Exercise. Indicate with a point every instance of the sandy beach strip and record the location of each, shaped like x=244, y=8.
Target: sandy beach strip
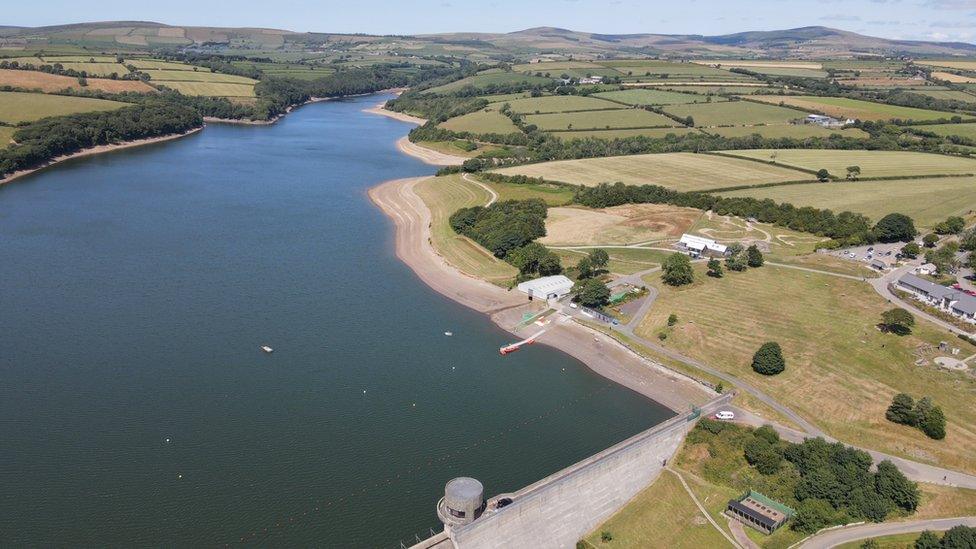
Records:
x=601, y=353
x=425, y=155
x=98, y=150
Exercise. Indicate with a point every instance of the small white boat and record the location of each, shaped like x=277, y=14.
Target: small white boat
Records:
x=448, y=334
x=267, y=349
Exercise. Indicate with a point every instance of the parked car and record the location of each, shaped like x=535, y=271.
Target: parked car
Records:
x=724, y=415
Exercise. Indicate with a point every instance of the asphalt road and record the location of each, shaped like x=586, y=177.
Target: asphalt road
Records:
x=833, y=538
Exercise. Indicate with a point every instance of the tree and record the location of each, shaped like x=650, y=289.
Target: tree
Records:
x=763, y=456
x=585, y=268
x=823, y=175
x=952, y=225
x=599, y=258
x=550, y=265
x=735, y=260
x=768, y=433
x=928, y=540
x=768, y=360
x=892, y=484
x=897, y=321
x=959, y=537
x=715, y=268
x=677, y=270
x=853, y=172
x=930, y=240
x=895, y=227
x=812, y=515
x=902, y=410
x=591, y=293
x=933, y=423
x=754, y=257
x=672, y=319
x=911, y=250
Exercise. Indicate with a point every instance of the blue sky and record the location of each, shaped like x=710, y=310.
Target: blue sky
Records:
x=906, y=19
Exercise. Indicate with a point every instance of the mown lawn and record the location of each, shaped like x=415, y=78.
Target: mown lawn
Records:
x=841, y=370
x=17, y=107
x=872, y=163
x=680, y=171
x=444, y=196
x=927, y=201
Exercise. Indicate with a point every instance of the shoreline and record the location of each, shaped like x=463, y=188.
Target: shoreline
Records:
x=425, y=155
x=98, y=149
x=600, y=353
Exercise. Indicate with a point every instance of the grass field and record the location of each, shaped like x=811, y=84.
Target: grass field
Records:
x=79, y=58
x=559, y=103
x=620, y=225
x=553, y=195
x=623, y=261
x=842, y=107
x=155, y=65
x=596, y=120
x=444, y=196
x=620, y=133
x=650, y=96
x=481, y=80
x=662, y=515
x=214, y=89
x=483, y=121
x=762, y=64
x=17, y=107
x=927, y=201
x=45, y=82
x=735, y=113
x=798, y=131
x=964, y=130
x=952, y=95
x=872, y=163
x=954, y=78
x=841, y=370
x=681, y=171
x=193, y=76
x=97, y=69
x=6, y=135
x=951, y=64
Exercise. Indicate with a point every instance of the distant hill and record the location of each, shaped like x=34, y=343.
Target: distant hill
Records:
x=804, y=42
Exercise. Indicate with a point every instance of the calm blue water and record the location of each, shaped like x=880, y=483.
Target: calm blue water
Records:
x=136, y=289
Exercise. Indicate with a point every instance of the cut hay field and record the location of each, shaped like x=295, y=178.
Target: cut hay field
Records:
x=558, y=103
x=872, y=163
x=597, y=120
x=194, y=76
x=213, y=89
x=17, y=107
x=927, y=201
x=735, y=113
x=36, y=80
x=681, y=171
x=619, y=134
x=798, y=131
x=964, y=130
x=444, y=196
x=79, y=58
x=841, y=371
x=481, y=80
x=650, y=96
x=842, y=107
x=483, y=121
x=954, y=78
x=97, y=69
x=158, y=65
x=763, y=64
x=951, y=64
x=6, y=135
x=618, y=226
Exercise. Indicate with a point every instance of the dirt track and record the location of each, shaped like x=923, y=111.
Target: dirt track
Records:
x=600, y=353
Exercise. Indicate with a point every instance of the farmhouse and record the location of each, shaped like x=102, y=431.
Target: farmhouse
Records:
x=926, y=269
x=547, y=287
x=953, y=301
x=591, y=80
x=759, y=512
x=696, y=246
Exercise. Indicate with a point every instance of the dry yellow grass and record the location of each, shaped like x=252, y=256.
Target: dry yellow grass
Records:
x=954, y=78
x=681, y=171
x=6, y=135
x=619, y=225
x=841, y=370
x=45, y=82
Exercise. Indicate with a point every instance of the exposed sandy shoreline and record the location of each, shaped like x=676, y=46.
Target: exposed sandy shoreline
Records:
x=599, y=352
x=98, y=150
x=428, y=156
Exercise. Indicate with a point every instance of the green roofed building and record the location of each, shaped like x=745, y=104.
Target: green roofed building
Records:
x=759, y=512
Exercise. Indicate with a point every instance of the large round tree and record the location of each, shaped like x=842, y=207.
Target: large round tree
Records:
x=768, y=360
x=895, y=227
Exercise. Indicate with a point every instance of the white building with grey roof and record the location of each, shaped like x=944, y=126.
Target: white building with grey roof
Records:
x=955, y=302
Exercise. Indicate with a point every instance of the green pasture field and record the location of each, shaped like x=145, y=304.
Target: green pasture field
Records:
x=17, y=107
x=49, y=59
x=595, y=120
x=620, y=134
x=966, y=65
x=741, y=90
x=550, y=66
x=503, y=97
x=213, y=89
x=649, y=96
x=785, y=71
x=6, y=135
x=25, y=61
x=680, y=171
x=481, y=80
x=553, y=195
x=798, y=131
x=872, y=163
x=951, y=95
x=159, y=65
x=193, y=76
x=623, y=261
x=97, y=69
x=736, y=113
x=927, y=201
x=483, y=121
x=843, y=107
x=559, y=103
x=841, y=371
x=963, y=130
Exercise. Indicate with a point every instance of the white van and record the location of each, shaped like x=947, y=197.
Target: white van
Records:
x=725, y=415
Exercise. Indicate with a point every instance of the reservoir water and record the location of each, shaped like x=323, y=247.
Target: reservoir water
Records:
x=137, y=409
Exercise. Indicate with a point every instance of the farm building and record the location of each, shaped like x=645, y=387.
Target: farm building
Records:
x=697, y=246
x=951, y=300
x=547, y=287
x=826, y=121
x=591, y=80
x=926, y=269
x=880, y=264
x=759, y=512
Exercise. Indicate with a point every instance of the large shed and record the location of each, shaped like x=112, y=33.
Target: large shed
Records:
x=547, y=287
x=759, y=512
